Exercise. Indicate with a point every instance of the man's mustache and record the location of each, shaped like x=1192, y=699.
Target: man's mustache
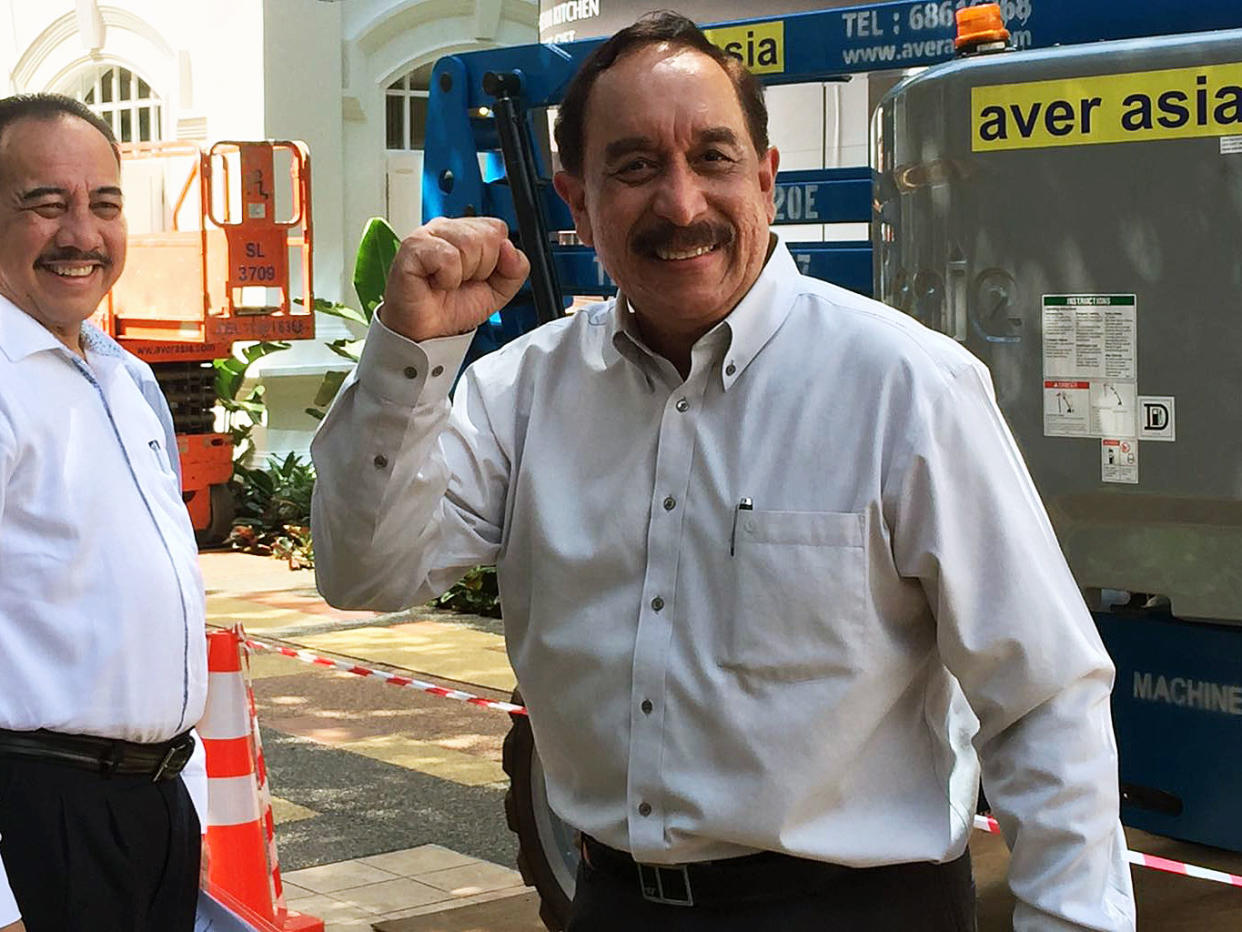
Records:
x=73, y=254
x=664, y=236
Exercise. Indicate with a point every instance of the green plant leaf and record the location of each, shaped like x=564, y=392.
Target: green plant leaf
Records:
x=231, y=371
x=376, y=250
x=336, y=309
x=328, y=388
x=476, y=592
x=273, y=509
x=349, y=349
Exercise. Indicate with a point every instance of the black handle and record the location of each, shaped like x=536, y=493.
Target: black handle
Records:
x=519, y=159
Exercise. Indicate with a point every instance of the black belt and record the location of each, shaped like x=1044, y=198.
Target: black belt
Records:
x=106, y=756
x=768, y=875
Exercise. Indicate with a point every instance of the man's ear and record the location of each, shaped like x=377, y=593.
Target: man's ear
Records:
x=769, y=162
x=573, y=192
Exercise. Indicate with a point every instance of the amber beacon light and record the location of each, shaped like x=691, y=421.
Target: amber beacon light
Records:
x=979, y=24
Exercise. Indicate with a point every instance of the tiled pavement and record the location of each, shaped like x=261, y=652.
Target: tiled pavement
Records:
x=355, y=894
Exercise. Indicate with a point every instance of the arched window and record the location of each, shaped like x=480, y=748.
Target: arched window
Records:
x=406, y=110
x=122, y=98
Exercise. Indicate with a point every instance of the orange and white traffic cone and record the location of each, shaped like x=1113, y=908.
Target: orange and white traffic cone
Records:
x=243, y=873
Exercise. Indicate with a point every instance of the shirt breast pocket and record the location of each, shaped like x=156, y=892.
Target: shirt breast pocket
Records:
x=160, y=458
x=800, y=581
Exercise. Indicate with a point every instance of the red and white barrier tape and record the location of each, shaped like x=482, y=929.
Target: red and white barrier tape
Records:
x=989, y=824
x=982, y=822
x=390, y=679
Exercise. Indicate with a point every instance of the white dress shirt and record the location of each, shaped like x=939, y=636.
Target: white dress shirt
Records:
x=101, y=598
x=706, y=680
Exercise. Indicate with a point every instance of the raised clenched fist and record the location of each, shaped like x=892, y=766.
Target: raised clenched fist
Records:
x=451, y=275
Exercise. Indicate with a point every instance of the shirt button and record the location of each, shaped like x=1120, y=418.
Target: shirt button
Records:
x=380, y=461
x=683, y=405
x=670, y=503
x=730, y=369
x=437, y=372
x=411, y=372
x=644, y=809
x=657, y=603
x=647, y=707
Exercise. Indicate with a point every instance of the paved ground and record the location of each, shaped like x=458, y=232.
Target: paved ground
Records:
x=389, y=800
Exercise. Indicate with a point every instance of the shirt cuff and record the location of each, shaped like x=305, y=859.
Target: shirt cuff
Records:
x=403, y=372
x=9, y=913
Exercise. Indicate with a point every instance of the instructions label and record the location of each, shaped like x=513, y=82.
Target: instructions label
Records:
x=1119, y=460
x=1090, y=353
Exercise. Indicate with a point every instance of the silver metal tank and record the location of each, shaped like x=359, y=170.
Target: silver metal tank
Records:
x=1074, y=216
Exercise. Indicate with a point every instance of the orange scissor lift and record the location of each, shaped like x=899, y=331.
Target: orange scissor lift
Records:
x=191, y=289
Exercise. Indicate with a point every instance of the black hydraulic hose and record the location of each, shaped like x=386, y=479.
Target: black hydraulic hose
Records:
x=523, y=185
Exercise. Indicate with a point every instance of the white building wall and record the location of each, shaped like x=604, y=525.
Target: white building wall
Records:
x=176, y=45
x=301, y=90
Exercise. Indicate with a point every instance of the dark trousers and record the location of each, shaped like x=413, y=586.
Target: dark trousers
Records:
x=917, y=897
x=87, y=852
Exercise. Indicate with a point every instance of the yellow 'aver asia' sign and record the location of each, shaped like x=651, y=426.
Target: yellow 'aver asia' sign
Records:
x=1171, y=104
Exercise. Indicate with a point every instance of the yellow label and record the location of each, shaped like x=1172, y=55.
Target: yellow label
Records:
x=1178, y=103
x=758, y=46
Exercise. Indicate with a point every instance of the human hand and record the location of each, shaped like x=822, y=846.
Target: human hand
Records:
x=451, y=275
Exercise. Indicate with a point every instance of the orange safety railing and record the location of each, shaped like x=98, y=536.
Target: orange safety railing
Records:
x=189, y=293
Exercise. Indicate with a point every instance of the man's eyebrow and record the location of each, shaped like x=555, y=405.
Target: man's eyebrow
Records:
x=49, y=190
x=43, y=191
x=718, y=134
x=626, y=145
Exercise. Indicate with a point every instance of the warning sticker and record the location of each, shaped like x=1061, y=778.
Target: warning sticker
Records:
x=1119, y=460
x=1067, y=408
x=1113, y=406
x=1090, y=352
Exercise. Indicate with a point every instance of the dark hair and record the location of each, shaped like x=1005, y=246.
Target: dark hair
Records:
x=654, y=28
x=48, y=107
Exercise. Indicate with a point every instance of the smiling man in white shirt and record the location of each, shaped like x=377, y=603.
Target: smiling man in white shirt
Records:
x=769, y=559
x=102, y=651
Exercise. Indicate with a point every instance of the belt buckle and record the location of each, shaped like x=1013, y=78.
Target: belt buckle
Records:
x=667, y=885
x=186, y=747
x=164, y=763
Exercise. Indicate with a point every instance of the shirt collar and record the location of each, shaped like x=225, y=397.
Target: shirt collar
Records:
x=760, y=313
x=21, y=335
x=96, y=341
x=751, y=324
